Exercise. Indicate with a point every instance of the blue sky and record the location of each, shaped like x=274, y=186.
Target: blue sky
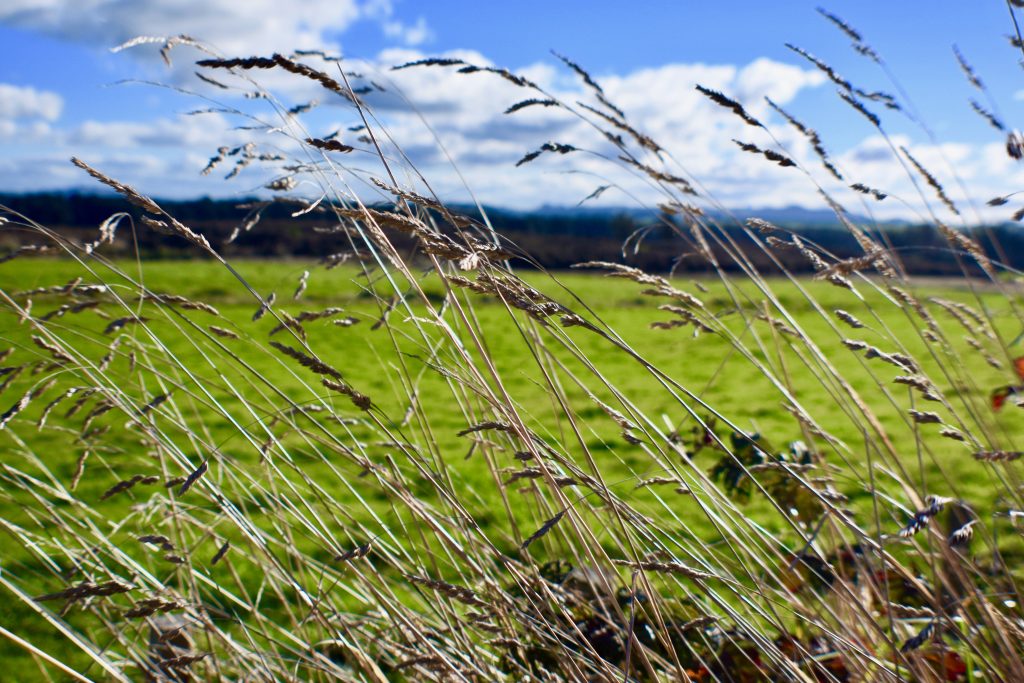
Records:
x=61, y=95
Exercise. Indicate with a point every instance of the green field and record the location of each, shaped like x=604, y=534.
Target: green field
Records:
x=318, y=475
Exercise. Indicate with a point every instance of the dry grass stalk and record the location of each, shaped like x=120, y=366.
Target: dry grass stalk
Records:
x=146, y=204
x=951, y=433
x=686, y=316
x=107, y=230
x=108, y=357
x=329, y=145
x=181, y=301
x=962, y=535
x=356, y=553
x=306, y=361
x=988, y=116
x=581, y=72
x=484, y=426
x=920, y=639
x=779, y=325
x=732, y=105
x=116, y=325
x=280, y=61
x=921, y=518
x=921, y=383
x=70, y=308
x=847, y=89
x=41, y=422
x=770, y=155
x=154, y=403
x=543, y=530
x=301, y=288
x=554, y=147
x=657, y=481
x=430, y=662
x=157, y=539
x=222, y=551
x=682, y=184
x=361, y=401
x=848, y=318
x=221, y=332
x=87, y=589
x=900, y=360
x=972, y=76
x=151, y=606
x=666, y=568
x=125, y=485
x=76, y=476
x=25, y=249
x=921, y=417
x=932, y=181
x=812, y=137
x=18, y=406
x=193, y=477
x=958, y=239
x=55, y=351
x=617, y=122
x=289, y=323
x=531, y=102
x=851, y=33
x=459, y=593
x=864, y=189
x=998, y=456
x=182, y=661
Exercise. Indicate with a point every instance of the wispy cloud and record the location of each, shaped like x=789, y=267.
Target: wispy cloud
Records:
x=232, y=26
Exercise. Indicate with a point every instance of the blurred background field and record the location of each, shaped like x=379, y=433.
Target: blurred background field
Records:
x=225, y=409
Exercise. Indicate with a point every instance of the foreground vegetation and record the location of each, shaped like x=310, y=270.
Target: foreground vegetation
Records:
x=418, y=462
x=272, y=436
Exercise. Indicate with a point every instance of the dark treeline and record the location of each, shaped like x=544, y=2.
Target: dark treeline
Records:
x=556, y=238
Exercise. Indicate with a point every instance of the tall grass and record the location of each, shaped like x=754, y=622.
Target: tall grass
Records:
x=196, y=497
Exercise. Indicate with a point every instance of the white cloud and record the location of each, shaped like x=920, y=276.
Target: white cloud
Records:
x=415, y=34
x=186, y=132
x=766, y=78
x=230, y=25
x=697, y=135
x=235, y=27
x=23, y=102
x=464, y=115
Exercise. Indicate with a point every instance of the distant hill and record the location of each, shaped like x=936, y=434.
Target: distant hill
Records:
x=789, y=217
x=554, y=237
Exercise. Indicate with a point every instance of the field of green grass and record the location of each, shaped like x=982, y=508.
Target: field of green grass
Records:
x=318, y=475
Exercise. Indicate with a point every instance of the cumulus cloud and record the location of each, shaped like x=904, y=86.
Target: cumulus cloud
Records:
x=696, y=134
x=185, y=132
x=969, y=174
x=463, y=113
x=437, y=115
x=414, y=34
x=23, y=102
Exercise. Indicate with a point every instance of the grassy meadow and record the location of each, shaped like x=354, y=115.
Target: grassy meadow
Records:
x=272, y=434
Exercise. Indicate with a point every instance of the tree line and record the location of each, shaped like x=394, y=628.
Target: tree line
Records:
x=552, y=238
